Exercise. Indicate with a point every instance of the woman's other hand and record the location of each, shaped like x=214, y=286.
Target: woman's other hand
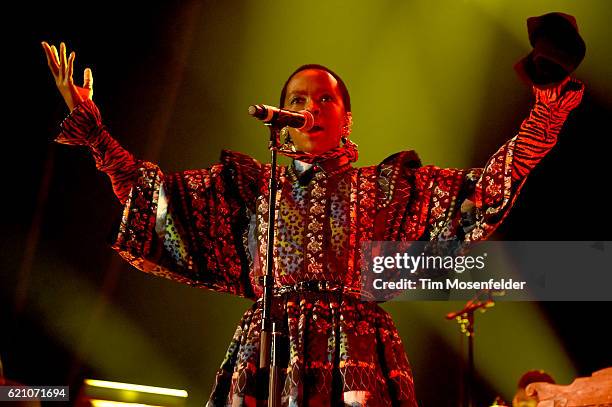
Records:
x=61, y=69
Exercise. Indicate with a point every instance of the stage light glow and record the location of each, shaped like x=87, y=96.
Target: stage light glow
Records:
x=136, y=387
x=108, y=403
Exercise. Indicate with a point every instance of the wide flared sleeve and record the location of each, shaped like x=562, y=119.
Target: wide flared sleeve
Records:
x=432, y=203
x=188, y=226
x=192, y=226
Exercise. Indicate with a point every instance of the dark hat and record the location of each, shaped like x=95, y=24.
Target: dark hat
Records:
x=558, y=49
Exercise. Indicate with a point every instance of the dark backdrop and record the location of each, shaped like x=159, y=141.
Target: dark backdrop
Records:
x=173, y=81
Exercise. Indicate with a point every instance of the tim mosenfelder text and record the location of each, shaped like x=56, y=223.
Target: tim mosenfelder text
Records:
x=422, y=263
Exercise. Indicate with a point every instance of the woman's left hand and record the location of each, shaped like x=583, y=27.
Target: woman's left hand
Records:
x=61, y=69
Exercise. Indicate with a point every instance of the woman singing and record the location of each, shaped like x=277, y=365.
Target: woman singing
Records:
x=208, y=228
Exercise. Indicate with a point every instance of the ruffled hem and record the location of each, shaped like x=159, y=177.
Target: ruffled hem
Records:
x=563, y=97
x=81, y=125
x=337, y=351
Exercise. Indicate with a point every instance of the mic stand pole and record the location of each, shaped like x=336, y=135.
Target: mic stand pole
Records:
x=465, y=319
x=268, y=345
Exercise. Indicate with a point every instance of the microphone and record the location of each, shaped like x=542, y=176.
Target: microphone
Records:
x=302, y=120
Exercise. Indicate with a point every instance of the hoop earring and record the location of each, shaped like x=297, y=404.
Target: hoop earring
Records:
x=285, y=136
x=348, y=125
x=287, y=141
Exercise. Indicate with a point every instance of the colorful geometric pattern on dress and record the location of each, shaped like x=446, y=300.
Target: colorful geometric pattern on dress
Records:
x=175, y=245
x=311, y=219
x=335, y=346
x=339, y=217
x=83, y=127
x=340, y=350
x=206, y=214
x=291, y=224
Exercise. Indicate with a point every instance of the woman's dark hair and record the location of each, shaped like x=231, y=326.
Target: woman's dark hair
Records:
x=534, y=376
x=346, y=99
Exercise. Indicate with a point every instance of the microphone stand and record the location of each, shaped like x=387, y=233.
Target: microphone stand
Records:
x=269, y=338
x=465, y=319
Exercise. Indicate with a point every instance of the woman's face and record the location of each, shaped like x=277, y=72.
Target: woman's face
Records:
x=317, y=91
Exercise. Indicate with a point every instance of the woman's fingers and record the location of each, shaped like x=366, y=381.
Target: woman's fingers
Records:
x=55, y=54
x=62, y=69
x=62, y=56
x=57, y=60
x=70, y=67
x=88, y=81
x=51, y=61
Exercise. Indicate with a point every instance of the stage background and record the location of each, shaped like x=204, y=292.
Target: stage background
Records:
x=173, y=82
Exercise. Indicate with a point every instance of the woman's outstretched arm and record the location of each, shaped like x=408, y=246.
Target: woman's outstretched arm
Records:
x=196, y=236
x=84, y=124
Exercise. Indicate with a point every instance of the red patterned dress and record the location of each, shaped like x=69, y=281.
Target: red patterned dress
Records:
x=207, y=228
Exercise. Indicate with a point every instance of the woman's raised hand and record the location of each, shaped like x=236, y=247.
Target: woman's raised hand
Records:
x=61, y=69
